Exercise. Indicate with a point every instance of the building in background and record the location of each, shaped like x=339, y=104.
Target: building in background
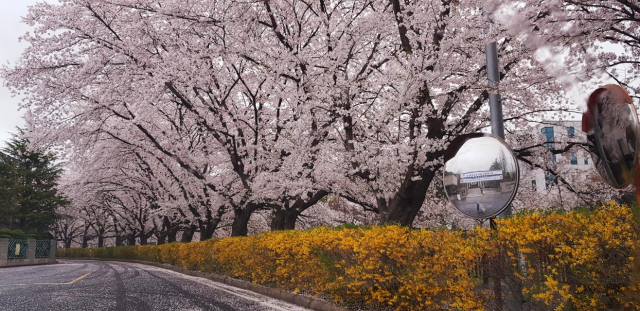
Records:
x=556, y=136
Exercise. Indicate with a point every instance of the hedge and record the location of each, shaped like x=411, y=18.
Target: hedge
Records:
x=568, y=261
x=6, y=233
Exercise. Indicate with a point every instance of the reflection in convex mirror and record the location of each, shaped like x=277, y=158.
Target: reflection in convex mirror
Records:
x=611, y=124
x=480, y=175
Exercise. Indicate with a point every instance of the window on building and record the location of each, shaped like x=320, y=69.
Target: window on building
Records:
x=586, y=158
x=574, y=158
x=550, y=179
x=553, y=158
x=533, y=185
x=548, y=133
x=571, y=131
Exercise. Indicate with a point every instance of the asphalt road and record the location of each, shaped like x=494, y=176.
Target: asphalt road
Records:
x=101, y=285
x=492, y=203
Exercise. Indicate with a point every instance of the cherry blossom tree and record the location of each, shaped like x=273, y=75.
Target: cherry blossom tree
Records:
x=597, y=38
x=183, y=111
x=162, y=91
x=593, y=43
x=415, y=81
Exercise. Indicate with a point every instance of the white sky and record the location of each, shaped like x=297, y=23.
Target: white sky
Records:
x=477, y=155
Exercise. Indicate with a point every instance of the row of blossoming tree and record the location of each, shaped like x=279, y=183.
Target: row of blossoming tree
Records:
x=175, y=118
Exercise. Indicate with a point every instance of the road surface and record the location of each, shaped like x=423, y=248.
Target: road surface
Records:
x=102, y=285
x=491, y=201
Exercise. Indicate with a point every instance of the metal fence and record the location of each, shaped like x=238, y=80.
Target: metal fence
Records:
x=43, y=249
x=18, y=249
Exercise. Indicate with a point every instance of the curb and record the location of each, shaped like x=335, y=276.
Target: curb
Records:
x=31, y=264
x=296, y=299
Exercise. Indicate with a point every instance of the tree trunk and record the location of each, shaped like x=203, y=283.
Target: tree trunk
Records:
x=119, y=234
x=143, y=238
x=290, y=220
x=277, y=220
x=101, y=240
x=145, y=235
x=284, y=219
x=406, y=203
x=85, y=237
x=131, y=239
x=120, y=240
x=171, y=230
x=208, y=227
x=67, y=243
x=239, y=227
x=85, y=240
x=161, y=238
x=187, y=235
x=172, y=235
x=161, y=235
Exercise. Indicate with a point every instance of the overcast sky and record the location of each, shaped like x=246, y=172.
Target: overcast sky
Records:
x=477, y=155
x=11, y=12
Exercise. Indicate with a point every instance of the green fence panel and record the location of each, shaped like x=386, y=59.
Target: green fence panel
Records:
x=18, y=249
x=43, y=249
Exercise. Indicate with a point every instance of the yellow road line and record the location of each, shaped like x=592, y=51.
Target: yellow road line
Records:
x=80, y=278
x=69, y=283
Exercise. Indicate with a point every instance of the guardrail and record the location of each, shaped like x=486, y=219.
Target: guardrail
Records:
x=27, y=252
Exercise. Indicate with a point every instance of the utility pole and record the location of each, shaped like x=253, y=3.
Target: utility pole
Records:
x=497, y=128
x=495, y=104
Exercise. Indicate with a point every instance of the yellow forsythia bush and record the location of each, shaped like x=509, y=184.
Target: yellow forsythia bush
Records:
x=571, y=261
x=575, y=261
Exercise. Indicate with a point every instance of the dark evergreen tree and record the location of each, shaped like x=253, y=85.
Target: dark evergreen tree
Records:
x=28, y=194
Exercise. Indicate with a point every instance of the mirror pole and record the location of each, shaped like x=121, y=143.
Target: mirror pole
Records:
x=497, y=128
x=495, y=104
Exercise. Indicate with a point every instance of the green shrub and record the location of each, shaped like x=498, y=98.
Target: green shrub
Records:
x=352, y=226
x=45, y=236
x=18, y=234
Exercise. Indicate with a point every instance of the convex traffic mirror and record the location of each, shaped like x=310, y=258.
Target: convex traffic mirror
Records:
x=611, y=124
x=480, y=175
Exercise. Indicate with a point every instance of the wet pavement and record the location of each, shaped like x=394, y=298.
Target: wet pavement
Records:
x=103, y=285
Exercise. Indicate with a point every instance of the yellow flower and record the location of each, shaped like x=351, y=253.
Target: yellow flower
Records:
x=582, y=261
